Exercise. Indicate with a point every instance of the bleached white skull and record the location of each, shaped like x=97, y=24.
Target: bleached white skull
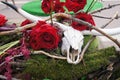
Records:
x=72, y=43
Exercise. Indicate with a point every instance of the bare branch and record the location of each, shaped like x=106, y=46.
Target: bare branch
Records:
x=49, y=55
x=105, y=17
x=105, y=8
x=89, y=25
x=101, y=17
x=19, y=29
x=114, y=16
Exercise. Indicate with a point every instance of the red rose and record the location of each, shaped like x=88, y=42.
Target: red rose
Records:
x=44, y=36
x=2, y=20
x=59, y=6
x=25, y=22
x=75, y=5
x=47, y=6
x=83, y=16
x=52, y=5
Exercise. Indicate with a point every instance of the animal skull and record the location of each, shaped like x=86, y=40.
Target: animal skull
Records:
x=71, y=45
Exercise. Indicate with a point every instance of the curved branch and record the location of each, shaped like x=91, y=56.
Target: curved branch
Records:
x=49, y=55
x=89, y=25
x=85, y=48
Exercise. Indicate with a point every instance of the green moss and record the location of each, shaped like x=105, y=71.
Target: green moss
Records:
x=93, y=46
x=40, y=66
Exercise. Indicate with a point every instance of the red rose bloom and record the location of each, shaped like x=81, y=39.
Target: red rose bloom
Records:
x=44, y=36
x=2, y=20
x=52, y=5
x=47, y=6
x=25, y=22
x=75, y=5
x=83, y=16
x=59, y=6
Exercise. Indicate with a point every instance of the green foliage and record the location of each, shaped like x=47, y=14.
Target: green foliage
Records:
x=8, y=38
x=41, y=67
x=93, y=46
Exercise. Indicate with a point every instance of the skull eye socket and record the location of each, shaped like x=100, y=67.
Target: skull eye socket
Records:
x=71, y=49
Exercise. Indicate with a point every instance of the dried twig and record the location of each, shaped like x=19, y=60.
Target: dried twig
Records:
x=105, y=8
x=89, y=25
x=114, y=16
x=48, y=54
x=104, y=17
x=18, y=29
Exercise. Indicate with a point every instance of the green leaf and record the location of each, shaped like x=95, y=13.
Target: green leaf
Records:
x=97, y=5
x=7, y=46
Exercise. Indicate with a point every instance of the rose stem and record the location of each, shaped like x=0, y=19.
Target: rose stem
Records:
x=51, y=12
